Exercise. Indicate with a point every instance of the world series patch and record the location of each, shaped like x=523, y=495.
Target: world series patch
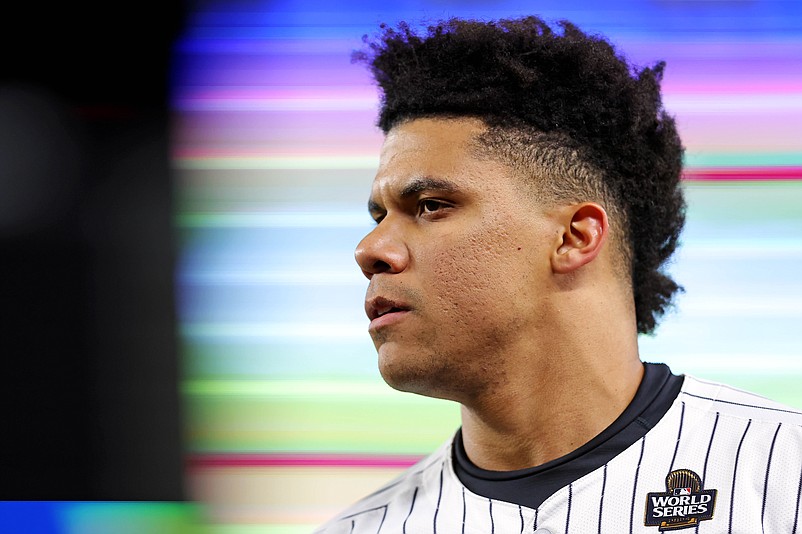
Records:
x=683, y=505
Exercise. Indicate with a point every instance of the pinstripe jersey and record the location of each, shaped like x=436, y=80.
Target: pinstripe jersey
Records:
x=745, y=447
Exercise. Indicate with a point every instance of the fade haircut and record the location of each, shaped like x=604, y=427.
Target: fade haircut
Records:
x=565, y=109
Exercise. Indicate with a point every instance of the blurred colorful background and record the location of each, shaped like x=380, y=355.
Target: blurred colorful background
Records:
x=275, y=148
x=227, y=382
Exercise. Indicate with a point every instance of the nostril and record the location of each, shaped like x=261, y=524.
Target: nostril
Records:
x=380, y=266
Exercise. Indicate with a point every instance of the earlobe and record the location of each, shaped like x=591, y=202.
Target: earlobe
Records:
x=584, y=234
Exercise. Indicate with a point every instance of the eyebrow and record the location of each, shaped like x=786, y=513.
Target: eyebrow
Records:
x=416, y=186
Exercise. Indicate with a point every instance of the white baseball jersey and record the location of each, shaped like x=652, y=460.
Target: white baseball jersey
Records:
x=720, y=461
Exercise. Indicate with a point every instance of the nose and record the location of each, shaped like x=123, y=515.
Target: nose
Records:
x=382, y=251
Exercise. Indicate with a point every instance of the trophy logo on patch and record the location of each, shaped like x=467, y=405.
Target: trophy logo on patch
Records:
x=683, y=505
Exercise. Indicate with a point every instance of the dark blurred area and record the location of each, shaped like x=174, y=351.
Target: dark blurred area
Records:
x=90, y=371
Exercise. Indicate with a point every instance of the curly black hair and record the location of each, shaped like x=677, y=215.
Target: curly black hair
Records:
x=563, y=103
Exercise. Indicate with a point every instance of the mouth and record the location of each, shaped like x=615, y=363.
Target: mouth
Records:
x=379, y=307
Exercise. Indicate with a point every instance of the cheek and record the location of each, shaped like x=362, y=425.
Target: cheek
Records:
x=476, y=277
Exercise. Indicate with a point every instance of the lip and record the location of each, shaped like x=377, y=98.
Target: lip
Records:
x=387, y=319
x=383, y=311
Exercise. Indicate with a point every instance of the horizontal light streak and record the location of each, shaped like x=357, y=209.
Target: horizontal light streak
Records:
x=321, y=103
x=279, y=99
x=787, y=366
x=283, y=496
x=283, y=388
x=757, y=248
x=233, y=45
x=297, y=277
x=234, y=161
x=266, y=219
x=733, y=83
x=699, y=161
x=262, y=524
x=763, y=307
x=732, y=103
x=732, y=174
x=332, y=424
x=301, y=460
x=332, y=331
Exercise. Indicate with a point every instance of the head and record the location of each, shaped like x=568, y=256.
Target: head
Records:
x=559, y=121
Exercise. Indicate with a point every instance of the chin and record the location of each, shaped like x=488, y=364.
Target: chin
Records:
x=400, y=377
x=428, y=379
x=400, y=372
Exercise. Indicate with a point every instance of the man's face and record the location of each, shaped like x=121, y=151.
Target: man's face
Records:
x=458, y=262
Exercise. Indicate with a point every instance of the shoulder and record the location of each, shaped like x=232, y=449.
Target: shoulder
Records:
x=731, y=436
x=734, y=402
x=408, y=487
x=741, y=420
x=742, y=448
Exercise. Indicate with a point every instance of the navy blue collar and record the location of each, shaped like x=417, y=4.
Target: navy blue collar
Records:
x=530, y=487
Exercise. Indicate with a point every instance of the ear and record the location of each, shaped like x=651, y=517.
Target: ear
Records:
x=584, y=234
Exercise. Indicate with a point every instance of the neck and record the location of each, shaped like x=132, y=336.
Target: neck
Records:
x=562, y=403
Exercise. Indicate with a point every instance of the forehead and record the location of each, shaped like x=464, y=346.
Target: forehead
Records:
x=443, y=135
x=430, y=148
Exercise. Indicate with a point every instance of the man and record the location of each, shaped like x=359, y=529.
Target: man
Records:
x=527, y=195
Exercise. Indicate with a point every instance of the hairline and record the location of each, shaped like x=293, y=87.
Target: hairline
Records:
x=540, y=181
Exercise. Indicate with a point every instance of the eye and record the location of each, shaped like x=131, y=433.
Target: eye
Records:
x=430, y=205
